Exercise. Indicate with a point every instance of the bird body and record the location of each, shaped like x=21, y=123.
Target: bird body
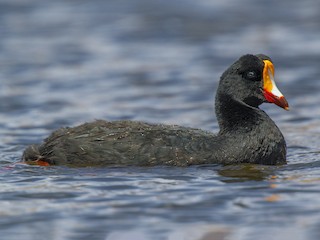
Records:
x=247, y=134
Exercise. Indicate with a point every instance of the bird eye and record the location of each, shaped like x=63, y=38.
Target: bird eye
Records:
x=251, y=75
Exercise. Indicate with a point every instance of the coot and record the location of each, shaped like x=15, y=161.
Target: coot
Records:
x=247, y=134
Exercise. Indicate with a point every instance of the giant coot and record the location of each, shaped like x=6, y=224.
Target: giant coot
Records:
x=247, y=134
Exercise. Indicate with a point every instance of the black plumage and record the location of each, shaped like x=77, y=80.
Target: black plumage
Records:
x=247, y=134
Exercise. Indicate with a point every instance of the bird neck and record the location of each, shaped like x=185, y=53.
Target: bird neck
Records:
x=236, y=116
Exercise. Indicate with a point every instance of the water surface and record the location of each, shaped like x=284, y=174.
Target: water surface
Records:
x=67, y=62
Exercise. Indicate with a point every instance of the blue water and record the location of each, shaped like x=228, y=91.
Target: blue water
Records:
x=66, y=62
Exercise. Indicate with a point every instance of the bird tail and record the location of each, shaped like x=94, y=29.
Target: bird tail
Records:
x=32, y=156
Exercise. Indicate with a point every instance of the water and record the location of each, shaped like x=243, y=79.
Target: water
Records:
x=66, y=62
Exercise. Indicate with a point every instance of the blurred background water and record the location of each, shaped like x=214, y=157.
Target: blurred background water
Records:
x=66, y=62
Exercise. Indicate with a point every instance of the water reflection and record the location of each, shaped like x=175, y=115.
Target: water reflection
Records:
x=245, y=172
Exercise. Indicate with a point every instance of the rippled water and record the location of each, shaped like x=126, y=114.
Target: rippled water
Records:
x=66, y=62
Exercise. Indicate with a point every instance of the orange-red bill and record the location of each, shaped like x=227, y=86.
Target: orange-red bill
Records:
x=270, y=90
